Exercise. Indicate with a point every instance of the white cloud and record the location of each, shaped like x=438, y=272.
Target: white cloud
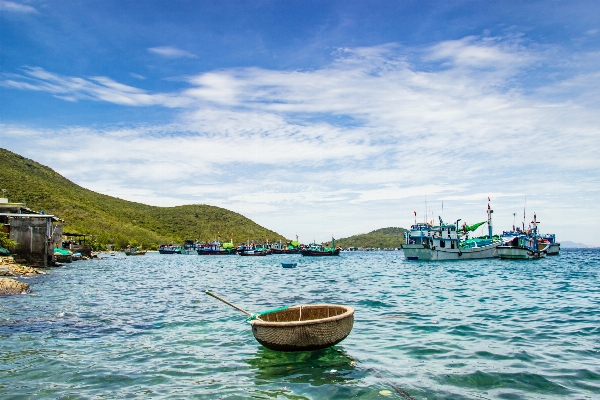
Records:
x=10, y=6
x=171, y=52
x=351, y=147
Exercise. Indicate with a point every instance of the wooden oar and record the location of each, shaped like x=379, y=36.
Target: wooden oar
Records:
x=208, y=292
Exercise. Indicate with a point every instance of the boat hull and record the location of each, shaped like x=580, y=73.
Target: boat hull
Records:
x=135, y=253
x=312, y=253
x=418, y=252
x=553, y=249
x=281, y=251
x=519, y=253
x=215, y=253
x=169, y=251
x=253, y=253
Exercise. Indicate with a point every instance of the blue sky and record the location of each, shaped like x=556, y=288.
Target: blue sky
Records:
x=315, y=118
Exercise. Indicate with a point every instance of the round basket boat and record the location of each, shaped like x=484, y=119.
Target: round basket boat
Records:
x=303, y=327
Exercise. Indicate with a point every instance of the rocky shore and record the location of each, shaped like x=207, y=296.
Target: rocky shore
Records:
x=9, y=270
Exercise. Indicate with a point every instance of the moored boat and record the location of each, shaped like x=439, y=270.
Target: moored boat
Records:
x=318, y=250
x=554, y=247
x=189, y=247
x=299, y=328
x=292, y=247
x=217, y=249
x=134, y=251
x=63, y=255
x=252, y=251
x=448, y=242
x=524, y=245
x=169, y=249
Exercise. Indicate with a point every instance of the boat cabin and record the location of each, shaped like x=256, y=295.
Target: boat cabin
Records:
x=437, y=236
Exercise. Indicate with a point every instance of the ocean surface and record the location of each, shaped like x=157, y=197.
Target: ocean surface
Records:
x=142, y=327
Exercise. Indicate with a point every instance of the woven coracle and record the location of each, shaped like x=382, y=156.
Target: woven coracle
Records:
x=304, y=327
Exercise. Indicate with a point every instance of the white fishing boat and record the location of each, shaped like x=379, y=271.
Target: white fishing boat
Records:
x=448, y=242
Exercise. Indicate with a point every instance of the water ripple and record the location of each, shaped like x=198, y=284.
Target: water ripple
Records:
x=142, y=327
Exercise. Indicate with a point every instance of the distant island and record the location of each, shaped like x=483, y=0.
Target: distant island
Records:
x=384, y=238
x=573, y=245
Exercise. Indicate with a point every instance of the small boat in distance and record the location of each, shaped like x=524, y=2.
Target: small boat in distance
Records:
x=189, y=247
x=217, y=248
x=169, y=249
x=318, y=250
x=134, y=251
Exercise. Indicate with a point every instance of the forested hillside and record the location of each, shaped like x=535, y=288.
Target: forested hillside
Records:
x=384, y=238
x=115, y=221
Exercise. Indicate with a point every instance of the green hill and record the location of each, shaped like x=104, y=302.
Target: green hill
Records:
x=385, y=238
x=115, y=221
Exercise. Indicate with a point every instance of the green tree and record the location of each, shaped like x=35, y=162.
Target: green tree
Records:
x=5, y=240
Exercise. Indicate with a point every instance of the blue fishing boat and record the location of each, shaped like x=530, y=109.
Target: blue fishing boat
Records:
x=217, y=248
x=169, y=249
x=525, y=244
x=554, y=247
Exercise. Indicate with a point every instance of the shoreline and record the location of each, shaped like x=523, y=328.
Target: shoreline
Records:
x=10, y=271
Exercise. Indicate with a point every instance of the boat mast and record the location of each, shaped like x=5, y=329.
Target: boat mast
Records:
x=489, y=221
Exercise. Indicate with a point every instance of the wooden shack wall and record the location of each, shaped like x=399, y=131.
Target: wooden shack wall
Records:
x=31, y=235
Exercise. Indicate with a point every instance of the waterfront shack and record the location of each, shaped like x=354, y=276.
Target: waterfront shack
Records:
x=77, y=243
x=36, y=233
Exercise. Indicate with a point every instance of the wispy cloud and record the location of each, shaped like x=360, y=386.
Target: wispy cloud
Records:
x=10, y=6
x=370, y=135
x=170, y=52
x=97, y=88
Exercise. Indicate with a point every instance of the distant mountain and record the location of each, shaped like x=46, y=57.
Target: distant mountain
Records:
x=385, y=238
x=573, y=245
x=115, y=221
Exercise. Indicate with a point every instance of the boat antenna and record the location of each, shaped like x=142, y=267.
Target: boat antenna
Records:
x=442, y=211
x=514, y=216
x=415, y=216
x=525, y=206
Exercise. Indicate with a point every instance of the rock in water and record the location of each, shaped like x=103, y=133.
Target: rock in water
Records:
x=10, y=286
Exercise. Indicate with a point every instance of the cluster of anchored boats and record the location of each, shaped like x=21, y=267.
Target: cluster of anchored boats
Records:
x=218, y=248
x=451, y=242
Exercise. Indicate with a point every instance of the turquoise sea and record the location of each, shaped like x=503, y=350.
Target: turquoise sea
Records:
x=142, y=327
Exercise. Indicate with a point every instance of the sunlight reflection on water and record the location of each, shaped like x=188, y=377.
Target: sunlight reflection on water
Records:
x=142, y=326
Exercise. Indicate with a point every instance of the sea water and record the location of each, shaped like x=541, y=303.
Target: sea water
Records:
x=142, y=327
